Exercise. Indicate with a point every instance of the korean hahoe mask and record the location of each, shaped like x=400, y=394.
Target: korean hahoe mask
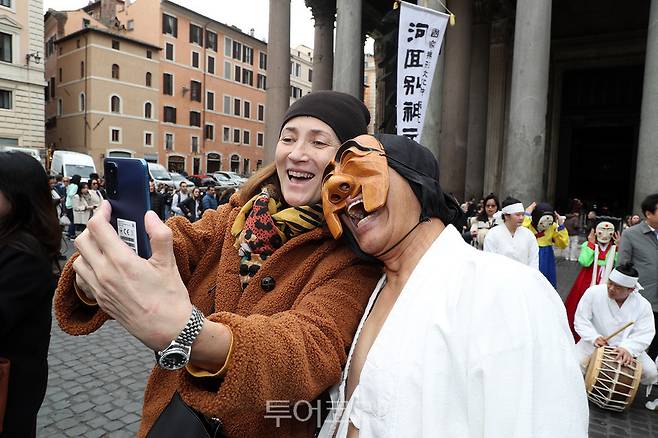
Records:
x=360, y=167
x=604, y=232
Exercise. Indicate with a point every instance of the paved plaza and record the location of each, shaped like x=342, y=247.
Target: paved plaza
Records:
x=96, y=386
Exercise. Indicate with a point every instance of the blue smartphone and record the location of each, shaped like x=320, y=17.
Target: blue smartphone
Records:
x=127, y=187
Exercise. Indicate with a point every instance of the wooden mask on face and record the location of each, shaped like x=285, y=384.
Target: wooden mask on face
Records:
x=359, y=172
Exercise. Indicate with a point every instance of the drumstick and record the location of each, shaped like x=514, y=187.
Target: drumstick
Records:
x=607, y=338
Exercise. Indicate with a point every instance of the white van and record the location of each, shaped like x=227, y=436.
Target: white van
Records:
x=67, y=163
x=159, y=175
x=34, y=152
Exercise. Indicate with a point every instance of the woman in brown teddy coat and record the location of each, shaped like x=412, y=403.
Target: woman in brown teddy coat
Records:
x=281, y=298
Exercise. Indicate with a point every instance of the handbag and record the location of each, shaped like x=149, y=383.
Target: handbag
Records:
x=64, y=221
x=4, y=388
x=178, y=420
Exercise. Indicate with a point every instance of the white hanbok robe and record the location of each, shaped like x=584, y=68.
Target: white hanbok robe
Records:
x=522, y=246
x=467, y=353
x=598, y=315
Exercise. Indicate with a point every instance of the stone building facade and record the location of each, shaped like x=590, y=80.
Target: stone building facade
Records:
x=540, y=99
x=301, y=72
x=21, y=74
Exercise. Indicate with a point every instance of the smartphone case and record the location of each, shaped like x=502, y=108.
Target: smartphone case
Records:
x=127, y=187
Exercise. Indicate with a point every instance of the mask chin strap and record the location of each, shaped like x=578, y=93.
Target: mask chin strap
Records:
x=404, y=237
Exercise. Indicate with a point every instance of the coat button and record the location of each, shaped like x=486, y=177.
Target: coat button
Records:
x=267, y=284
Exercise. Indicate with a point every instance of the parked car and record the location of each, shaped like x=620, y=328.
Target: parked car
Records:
x=203, y=180
x=224, y=181
x=177, y=178
x=159, y=174
x=231, y=176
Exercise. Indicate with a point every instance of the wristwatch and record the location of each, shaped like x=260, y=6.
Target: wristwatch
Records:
x=177, y=354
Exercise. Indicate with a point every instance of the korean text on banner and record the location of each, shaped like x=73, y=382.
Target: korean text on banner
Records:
x=419, y=42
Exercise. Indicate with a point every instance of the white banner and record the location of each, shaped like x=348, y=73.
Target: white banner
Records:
x=419, y=43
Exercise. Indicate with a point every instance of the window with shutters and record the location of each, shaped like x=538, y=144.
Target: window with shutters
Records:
x=236, y=106
x=196, y=34
x=195, y=118
x=148, y=79
x=237, y=50
x=210, y=132
x=169, y=51
x=169, y=25
x=169, y=114
x=211, y=40
x=211, y=65
x=210, y=100
x=195, y=91
x=168, y=84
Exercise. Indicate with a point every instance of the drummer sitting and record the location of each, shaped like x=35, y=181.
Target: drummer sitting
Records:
x=604, y=309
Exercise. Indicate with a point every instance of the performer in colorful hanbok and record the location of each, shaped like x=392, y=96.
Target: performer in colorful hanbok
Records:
x=607, y=307
x=511, y=239
x=454, y=342
x=548, y=228
x=597, y=257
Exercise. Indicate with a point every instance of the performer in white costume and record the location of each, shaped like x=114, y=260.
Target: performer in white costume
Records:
x=511, y=238
x=604, y=308
x=454, y=342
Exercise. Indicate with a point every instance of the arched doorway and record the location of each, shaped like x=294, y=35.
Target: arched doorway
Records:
x=119, y=154
x=235, y=163
x=176, y=164
x=213, y=162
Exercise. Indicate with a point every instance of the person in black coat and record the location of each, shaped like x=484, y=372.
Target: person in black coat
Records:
x=191, y=207
x=30, y=239
x=157, y=201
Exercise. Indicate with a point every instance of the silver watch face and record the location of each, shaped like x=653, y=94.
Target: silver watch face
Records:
x=174, y=357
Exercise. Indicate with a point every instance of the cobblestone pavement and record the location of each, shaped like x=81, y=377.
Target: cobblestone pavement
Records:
x=96, y=386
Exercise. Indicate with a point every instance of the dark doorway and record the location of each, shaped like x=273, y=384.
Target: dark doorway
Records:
x=600, y=119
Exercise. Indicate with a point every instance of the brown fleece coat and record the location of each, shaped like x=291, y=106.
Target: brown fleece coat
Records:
x=289, y=344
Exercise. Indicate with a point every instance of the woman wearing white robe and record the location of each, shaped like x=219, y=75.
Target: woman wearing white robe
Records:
x=598, y=316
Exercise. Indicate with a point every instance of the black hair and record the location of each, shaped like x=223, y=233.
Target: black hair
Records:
x=59, y=178
x=80, y=187
x=483, y=214
x=75, y=179
x=93, y=175
x=650, y=203
x=509, y=201
x=31, y=225
x=628, y=269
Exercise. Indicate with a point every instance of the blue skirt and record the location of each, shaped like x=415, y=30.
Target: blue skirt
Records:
x=547, y=264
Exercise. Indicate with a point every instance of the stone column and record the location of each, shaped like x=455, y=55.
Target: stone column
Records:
x=278, y=73
x=324, y=13
x=432, y=128
x=454, y=119
x=496, y=100
x=523, y=169
x=477, y=111
x=349, y=59
x=646, y=173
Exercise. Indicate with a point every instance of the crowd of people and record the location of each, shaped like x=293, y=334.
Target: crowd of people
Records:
x=340, y=274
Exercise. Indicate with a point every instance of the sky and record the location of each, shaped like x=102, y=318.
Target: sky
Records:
x=245, y=14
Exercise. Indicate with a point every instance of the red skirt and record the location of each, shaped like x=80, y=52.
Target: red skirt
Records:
x=578, y=289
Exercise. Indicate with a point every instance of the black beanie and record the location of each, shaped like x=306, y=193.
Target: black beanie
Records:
x=344, y=113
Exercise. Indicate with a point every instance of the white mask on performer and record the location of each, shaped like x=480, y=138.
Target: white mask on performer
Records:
x=604, y=232
x=544, y=222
